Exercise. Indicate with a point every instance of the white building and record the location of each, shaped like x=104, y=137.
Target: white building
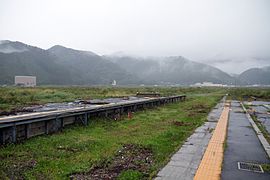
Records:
x=26, y=81
x=114, y=83
x=208, y=84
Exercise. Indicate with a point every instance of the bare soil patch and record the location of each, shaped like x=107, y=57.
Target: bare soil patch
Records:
x=129, y=157
x=179, y=123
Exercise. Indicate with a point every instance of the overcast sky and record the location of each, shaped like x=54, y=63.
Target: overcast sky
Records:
x=230, y=34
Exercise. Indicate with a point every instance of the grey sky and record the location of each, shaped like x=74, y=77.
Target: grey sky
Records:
x=208, y=31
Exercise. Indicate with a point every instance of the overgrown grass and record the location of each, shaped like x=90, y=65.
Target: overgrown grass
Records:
x=262, y=128
x=130, y=175
x=77, y=149
x=16, y=97
x=247, y=93
x=259, y=124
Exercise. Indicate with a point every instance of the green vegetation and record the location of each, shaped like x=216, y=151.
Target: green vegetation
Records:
x=266, y=167
x=14, y=97
x=130, y=175
x=262, y=128
x=78, y=149
x=247, y=93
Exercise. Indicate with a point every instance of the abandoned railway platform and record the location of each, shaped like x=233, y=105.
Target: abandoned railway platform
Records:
x=20, y=127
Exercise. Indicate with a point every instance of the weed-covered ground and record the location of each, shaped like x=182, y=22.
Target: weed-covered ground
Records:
x=124, y=149
x=12, y=98
x=249, y=93
x=139, y=147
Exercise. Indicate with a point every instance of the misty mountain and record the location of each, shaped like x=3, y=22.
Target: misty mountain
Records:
x=65, y=66
x=91, y=68
x=172, y=70
x=260, y=76
x=26, y=60
x=7, y=46
x=58, y=66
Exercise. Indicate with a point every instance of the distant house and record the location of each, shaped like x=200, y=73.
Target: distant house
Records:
x=26, y=81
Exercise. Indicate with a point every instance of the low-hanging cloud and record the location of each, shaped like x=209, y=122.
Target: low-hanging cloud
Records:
x=198, y=30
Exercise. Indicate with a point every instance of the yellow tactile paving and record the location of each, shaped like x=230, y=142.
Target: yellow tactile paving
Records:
x=210, y=166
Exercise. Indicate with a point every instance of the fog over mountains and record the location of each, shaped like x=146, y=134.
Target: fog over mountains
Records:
x=65, y=66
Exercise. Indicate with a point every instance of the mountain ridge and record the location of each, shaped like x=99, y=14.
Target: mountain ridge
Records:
x=61, y=65
x=258, y=76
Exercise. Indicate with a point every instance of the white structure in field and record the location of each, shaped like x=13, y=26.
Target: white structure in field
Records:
x=209, y=84
x=27, y=81
x=114, y=83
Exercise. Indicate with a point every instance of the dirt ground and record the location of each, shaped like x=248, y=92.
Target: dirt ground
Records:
x=129, y=157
